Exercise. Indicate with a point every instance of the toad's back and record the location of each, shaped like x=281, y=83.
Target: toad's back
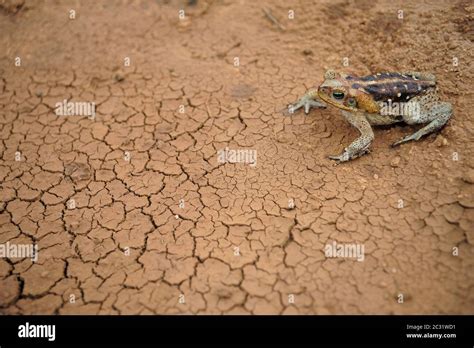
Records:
x=394, y=86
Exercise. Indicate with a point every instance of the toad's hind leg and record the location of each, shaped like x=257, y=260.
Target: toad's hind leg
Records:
x=437, y=114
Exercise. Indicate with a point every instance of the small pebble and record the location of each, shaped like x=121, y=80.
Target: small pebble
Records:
x=469, y=176
x=441, y=141
x=119, y=77
x=376, y=176
x=184, y=23
x=395, y=162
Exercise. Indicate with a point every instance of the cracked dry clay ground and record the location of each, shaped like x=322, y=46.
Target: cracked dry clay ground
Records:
x=132, y=205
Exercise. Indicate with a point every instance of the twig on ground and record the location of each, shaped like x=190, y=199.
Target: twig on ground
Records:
x=272, y=18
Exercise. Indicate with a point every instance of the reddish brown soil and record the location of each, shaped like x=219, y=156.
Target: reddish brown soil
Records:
x=134, y=204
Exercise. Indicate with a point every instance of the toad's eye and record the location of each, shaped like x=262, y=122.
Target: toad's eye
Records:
x=338, y=95
x=351, y=102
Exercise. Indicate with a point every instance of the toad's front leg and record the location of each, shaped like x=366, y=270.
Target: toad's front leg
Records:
x=308, y=101
x=360, y=146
